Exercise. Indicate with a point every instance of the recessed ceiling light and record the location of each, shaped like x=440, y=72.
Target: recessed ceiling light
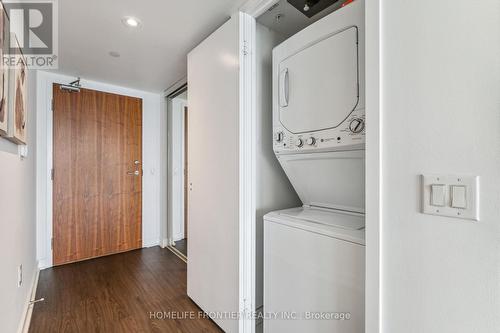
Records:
x=114, y=54
x=131, y=22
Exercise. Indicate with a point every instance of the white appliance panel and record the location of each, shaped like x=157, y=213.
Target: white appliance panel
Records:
x=329, y=180
x=318, y=85
x=311, y=273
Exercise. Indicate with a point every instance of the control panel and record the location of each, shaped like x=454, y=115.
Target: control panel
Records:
x=351, y=132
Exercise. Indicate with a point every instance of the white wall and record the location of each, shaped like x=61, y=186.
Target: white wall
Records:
x=153, y=104
x=440, y=114
x=17, y=222
x=273, y=190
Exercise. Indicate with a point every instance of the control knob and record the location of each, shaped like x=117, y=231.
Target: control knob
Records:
x=278, y=136
x=357, y=125
x=299, y=143
x=311, y=141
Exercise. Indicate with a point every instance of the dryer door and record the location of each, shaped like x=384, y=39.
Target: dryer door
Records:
x=318, y=86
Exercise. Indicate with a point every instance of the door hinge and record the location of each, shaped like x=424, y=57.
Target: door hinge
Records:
x=52, y=243
x=245, y=48
x=52, y=104
x=51, y=174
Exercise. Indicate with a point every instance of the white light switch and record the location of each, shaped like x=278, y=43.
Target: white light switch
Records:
x=451, y=195
x=459, y=196
x=438, y=192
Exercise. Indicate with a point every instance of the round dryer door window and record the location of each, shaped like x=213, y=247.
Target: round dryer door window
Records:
x=318, y=85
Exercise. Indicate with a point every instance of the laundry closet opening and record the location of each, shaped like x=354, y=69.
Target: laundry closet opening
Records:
x=311, y=109
x=177, y=183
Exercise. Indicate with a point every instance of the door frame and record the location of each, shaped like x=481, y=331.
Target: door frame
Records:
x=374, y=174
x=167, y=167
x=171, y=160
x=247, y=173
x=45, y=146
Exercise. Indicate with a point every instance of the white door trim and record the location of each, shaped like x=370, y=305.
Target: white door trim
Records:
x=255, y=8
x=247, y=205
x=176, y=213
x=248, y=138
x=166, y=172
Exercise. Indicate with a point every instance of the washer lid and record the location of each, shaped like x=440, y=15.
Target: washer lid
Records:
x=326, y=217
x=339, y=225
x=318, y=85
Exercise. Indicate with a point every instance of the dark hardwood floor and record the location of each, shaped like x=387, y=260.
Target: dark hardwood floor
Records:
x=182, y=246
x=118, y=293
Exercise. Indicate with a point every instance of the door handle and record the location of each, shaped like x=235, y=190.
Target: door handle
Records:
x=133, y=173
x=284, y=87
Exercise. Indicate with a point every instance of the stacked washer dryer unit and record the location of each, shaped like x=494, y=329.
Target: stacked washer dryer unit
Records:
x=314, y=255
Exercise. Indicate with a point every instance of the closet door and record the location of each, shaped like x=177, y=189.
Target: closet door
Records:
x=213, y=157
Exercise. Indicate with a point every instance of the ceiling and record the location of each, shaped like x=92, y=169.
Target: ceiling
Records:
x=153, y=56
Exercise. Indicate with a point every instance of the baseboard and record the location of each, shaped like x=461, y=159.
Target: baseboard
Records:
x=24, y=325
x=178, y=237
x=164, y=243
x=43, y=264
x=150, y=243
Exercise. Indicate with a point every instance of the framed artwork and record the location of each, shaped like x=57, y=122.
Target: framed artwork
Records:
x=18, y=95
x=4, y=72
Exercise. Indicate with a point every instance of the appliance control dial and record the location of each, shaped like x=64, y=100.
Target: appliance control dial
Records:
x=357, y=125
x=299, y=143
x=311, y=141
x=278, y=136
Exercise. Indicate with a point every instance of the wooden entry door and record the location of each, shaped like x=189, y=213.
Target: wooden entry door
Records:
x=97, y=179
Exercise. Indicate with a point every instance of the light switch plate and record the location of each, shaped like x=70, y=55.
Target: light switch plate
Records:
x=471, y=184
